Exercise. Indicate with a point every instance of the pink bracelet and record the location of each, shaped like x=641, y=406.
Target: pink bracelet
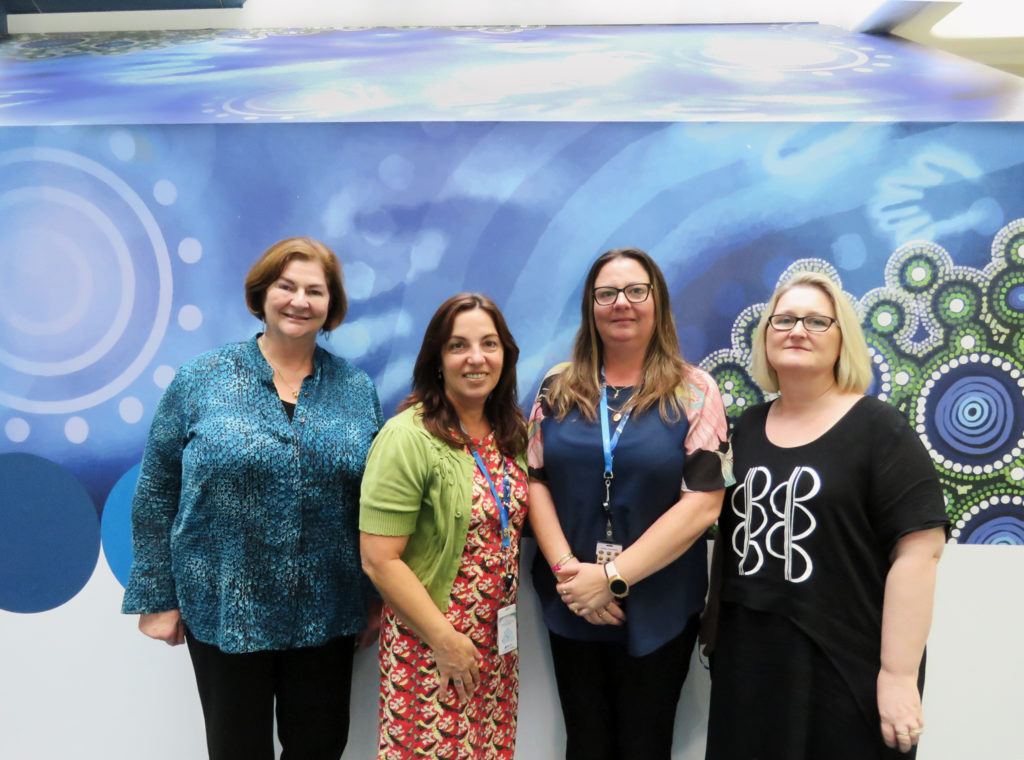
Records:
x=557, y=567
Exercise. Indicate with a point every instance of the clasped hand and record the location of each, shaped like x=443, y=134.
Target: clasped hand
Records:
x=583, y=587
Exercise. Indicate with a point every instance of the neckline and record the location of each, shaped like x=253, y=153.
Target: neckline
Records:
x=828, y=431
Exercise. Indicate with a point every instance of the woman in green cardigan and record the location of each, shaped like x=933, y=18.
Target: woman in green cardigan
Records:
x=443, y=500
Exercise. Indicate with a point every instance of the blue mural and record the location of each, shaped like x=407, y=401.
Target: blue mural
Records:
x=125, y=247
x=792, y=72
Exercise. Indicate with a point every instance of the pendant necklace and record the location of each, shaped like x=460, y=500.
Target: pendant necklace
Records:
x=295, y=393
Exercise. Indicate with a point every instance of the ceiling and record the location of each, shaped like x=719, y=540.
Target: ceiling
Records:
x=990, y=31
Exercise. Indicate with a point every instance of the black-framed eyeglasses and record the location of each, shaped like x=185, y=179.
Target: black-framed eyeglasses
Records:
x=812, y=322
x=635, y=292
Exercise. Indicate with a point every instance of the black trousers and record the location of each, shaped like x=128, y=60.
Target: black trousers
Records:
x=618, y=707
x=310, y=686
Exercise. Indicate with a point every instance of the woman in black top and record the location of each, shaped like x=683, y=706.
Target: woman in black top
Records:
x=829, y=546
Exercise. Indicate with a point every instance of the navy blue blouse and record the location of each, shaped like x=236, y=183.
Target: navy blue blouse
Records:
x=654, y=461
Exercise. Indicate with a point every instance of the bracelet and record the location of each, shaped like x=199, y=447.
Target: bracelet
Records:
x=561, y=560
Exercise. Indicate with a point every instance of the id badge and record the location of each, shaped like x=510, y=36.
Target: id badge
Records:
x=507, y=633
x=606, y=552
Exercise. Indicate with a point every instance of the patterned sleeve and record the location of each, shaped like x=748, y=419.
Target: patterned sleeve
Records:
x=151, y=586
x=535, y=443
x=708, y=463
x=541, y=409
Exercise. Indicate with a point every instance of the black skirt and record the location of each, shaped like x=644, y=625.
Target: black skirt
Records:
x=775, y=695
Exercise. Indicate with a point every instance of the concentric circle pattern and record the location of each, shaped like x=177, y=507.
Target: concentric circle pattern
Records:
x=85, y=325
x=975, y=417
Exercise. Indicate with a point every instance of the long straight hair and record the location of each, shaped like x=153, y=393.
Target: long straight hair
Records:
x=501, y=407
x=665, y=371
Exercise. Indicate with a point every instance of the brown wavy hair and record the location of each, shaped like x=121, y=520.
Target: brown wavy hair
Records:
x=664, y=372
x=502, y=405
x=273, y=262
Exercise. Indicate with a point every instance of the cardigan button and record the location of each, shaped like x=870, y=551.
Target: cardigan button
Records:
x=458, y=514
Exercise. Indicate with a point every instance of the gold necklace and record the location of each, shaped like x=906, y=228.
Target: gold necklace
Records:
x=295, y=393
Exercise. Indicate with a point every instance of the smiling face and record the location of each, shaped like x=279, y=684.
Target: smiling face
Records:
x=471, y=359
x=623, y=321
x=799, y=350
x=296, y=303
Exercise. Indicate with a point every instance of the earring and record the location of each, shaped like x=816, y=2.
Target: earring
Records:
x=440, y=375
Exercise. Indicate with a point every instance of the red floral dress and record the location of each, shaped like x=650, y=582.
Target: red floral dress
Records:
x=413, y=722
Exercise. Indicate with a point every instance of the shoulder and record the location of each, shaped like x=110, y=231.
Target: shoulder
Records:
x=880, y=414
x=553, y=373
x=406, y=427
x=883, y=424
x=340, y=370
x=752, y=416
x=208, y=365
x=699, y=380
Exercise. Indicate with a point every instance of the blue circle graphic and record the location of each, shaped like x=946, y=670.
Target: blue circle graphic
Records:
x=116, y=528
x=1002, y=528
x=975, y=414
x=49, y=534
x=1015, y=298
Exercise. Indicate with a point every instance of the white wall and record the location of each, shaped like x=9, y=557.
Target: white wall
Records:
x=80, y=683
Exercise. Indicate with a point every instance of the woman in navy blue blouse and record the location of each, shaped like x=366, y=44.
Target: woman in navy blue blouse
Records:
x=244, y=522
x=627, y=465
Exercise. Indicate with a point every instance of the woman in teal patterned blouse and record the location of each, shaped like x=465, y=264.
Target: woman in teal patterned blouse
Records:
x=244, y=522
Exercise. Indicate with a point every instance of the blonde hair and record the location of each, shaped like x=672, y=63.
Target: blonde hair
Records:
x=853, y=366
x=272, y=263
x=664, y=371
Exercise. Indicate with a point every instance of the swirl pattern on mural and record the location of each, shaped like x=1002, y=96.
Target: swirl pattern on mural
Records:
x=946, y=346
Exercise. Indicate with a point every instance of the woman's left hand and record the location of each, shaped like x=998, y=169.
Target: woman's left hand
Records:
x=899, y=707
x=587, y=591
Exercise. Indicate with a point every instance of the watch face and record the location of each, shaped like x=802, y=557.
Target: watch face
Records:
x=618, y=586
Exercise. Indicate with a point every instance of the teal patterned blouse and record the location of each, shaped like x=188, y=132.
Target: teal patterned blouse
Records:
x=248, y=522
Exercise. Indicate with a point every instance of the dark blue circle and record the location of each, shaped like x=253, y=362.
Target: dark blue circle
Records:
x=1002, y=525
x=49, y=534
x=974, y=414
x=1015, y=298
x=116, y=527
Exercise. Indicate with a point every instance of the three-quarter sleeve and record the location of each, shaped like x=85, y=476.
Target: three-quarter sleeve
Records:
x=708, y=461
x=151, y=586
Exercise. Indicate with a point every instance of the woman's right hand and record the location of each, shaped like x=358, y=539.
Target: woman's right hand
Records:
x=163, y=626
x=456, y=657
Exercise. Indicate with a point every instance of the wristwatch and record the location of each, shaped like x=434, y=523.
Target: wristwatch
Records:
x=616, y=583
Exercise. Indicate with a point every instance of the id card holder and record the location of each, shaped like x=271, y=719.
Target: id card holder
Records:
x=606, y=552
x=507, y=631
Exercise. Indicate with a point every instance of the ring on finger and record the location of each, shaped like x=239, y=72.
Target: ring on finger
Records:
x=916, y=731
x=903, y=734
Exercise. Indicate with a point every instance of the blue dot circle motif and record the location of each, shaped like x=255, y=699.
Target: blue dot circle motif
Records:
x=978, y=414
x=1000, y=528
x=117, y=526
x=49, y=534
x=1015, y=298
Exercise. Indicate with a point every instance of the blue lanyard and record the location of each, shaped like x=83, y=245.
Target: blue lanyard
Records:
x=609, y=444
x=503, y=502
